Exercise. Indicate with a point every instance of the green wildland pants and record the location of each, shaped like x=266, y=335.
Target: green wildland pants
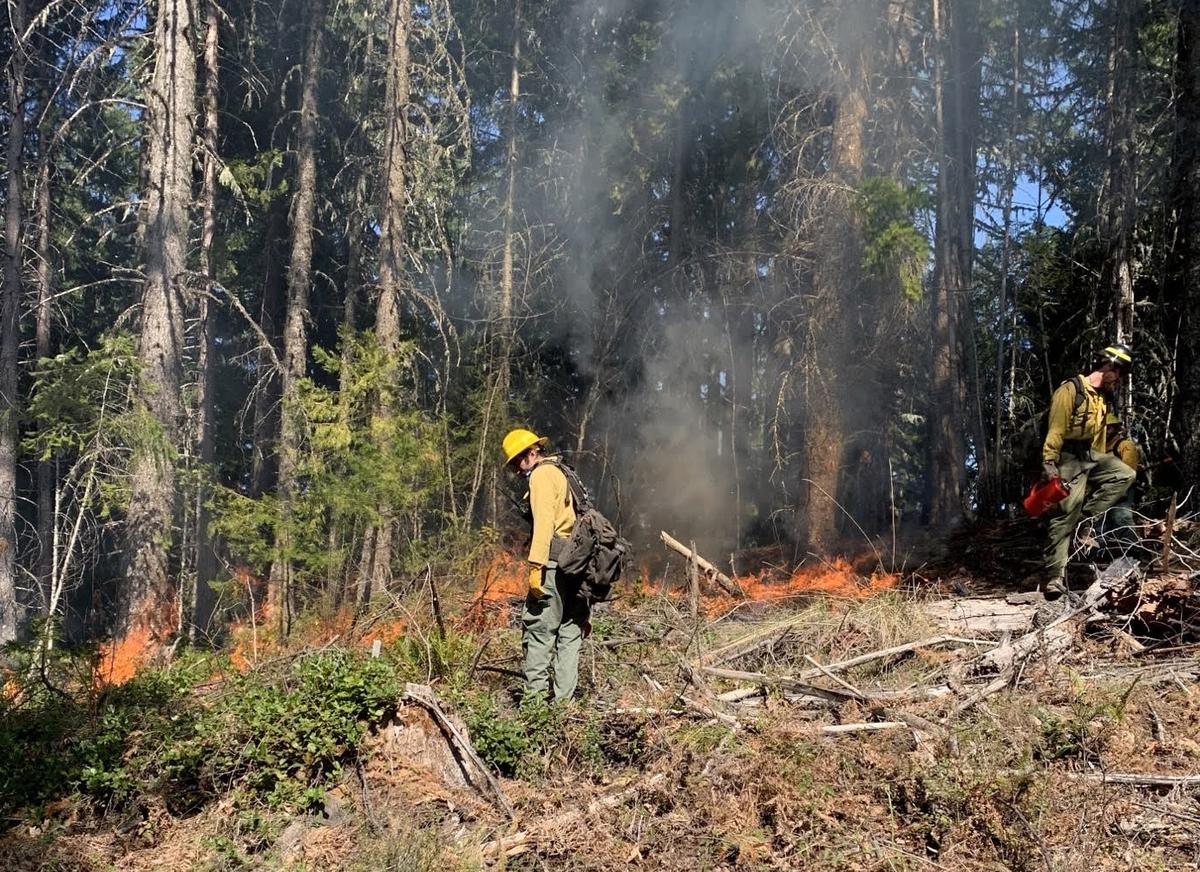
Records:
x=1096, y=482
x=553, y=630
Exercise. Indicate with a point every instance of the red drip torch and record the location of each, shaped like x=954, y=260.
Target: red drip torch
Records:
x=1045, y=494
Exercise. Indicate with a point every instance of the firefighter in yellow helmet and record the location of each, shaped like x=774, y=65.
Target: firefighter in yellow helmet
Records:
x=556, y=617
x=1075, y=449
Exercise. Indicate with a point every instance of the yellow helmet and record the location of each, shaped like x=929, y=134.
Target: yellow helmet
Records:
x=518, y=441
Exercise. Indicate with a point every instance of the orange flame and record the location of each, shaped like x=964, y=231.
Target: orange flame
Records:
x=837, y=579
x=504, y=579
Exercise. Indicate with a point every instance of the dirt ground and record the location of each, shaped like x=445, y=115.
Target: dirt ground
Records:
x=728, y=742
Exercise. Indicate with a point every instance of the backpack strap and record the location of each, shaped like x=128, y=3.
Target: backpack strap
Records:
x=579, y=494
x=1080, y=397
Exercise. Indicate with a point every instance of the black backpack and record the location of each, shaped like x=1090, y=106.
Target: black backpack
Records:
x=1028, y=441
x=594, y=554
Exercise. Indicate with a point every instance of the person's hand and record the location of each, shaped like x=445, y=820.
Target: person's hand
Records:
x=1049, y=470
x=535, y=582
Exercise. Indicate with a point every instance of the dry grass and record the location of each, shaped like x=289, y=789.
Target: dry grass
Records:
x=769, y=792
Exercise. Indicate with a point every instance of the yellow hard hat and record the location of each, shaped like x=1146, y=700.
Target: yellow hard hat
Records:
x=518, y=441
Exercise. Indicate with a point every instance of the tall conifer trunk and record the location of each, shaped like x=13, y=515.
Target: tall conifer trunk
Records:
x=1118, y=194
x=956, y=106
x=836, y=276
x=10, y=340
x=1185, y=274
x=206, y=559
x=392, y=261
x=147, y=597
x=295, y=325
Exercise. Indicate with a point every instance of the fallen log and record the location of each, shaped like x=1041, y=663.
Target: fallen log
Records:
x=730, y=586
x=983, y=614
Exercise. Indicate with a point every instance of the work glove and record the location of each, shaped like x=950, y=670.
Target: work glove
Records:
x=1049, y=470
x=535, y=582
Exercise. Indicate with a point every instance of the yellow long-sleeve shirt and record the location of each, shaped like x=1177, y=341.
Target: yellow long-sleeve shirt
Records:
x=553, y=512
x=1127, y=450
x=1086, y=425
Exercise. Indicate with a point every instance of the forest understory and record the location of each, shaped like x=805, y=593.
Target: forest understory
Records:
x=839, y=718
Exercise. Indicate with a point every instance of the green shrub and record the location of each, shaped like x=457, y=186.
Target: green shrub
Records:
x=281, y=736
x=514, y=743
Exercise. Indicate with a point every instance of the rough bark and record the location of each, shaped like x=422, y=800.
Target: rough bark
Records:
x=956, y=96
x=1118, y=194
x=42, y=345
x=10, y=301
x=147, y=598
x=206, y=558
x=835, y=278
x=295, y=326
x=392, y=258
x=506, y=326
x=1185, y=278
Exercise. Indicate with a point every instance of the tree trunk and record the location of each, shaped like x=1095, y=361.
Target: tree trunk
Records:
x=295, y=326
x=1118, y=194
x=10, y=340
x=392, y=259
x=42, y=342
x=835, y=278
x=206, y=558
x=1185, y=274
x=956, y=106
x=506, y=326
x=147, y=599
x=1005, y=332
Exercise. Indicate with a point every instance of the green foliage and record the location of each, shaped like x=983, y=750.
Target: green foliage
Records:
x=367, y=449
x=279, y=737
x=514, y=743
x=893, y=244
x=1081, y=731
x=81, y=414
x=434, y=657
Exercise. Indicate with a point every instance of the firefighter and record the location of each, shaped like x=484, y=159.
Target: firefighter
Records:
x=1075, y=450
x=1120, y=517
x=555, y=617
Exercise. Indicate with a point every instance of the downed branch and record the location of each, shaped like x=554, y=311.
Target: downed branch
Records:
x=730, y=586
x=864, y=727
x=1137, y=779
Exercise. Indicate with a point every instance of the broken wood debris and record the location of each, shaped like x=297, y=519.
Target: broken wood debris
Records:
x=730, y=586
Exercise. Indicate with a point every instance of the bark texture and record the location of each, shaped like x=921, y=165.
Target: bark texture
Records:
x=147, y=602
x=10, y=302
x=956, y=92
x=295, y=325
x=1185, y=285
x=206, y=558
x=392, y=260
x=828, y=385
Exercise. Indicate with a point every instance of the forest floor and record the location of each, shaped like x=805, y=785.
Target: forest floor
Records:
x=858, y=729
